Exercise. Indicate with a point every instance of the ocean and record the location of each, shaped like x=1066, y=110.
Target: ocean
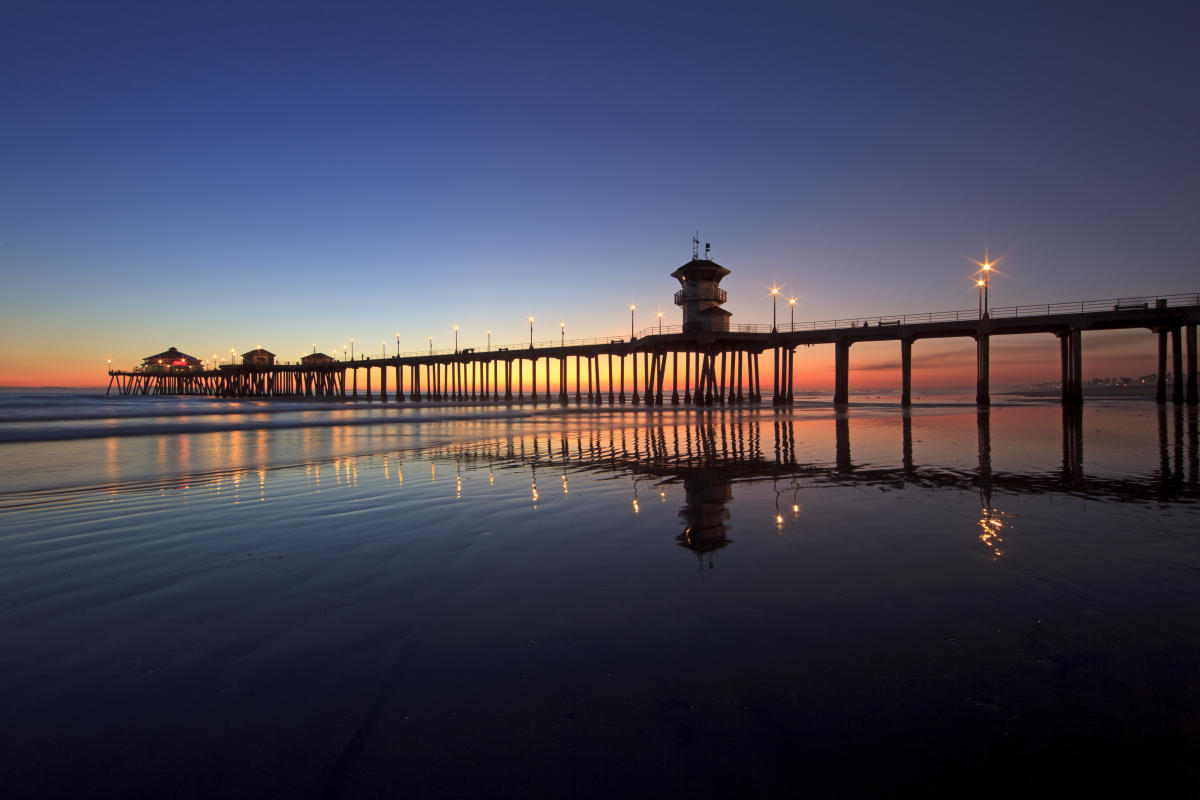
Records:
x=214, y=598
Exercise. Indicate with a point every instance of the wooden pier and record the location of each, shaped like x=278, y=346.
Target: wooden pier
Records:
x=669, y=364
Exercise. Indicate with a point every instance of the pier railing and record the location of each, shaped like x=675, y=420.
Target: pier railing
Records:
x=1138, y=303
x=1128, y=304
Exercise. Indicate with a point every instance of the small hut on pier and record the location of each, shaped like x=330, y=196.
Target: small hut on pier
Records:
x=171, y=360
x=313, y=359
x=258, y=358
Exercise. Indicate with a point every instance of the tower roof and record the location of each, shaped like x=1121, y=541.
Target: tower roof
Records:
x=700, y=269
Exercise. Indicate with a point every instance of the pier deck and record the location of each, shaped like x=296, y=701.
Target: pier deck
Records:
x=706, y=367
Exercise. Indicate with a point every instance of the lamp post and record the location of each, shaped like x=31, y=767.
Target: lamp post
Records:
x=314, y=344
x=774, y=297
x=792, y=304
x=530, y=331
x=456, y=339
x=430, y=345
x=632, y=308
x=343, y=352
x=489, y=340
x=980, y=283
x=397, y=344
x=987, y=274
x=660, y=323
x=352, y=349
x=383, y=344
x=562, y=334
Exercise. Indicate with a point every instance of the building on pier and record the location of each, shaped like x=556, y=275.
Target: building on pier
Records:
x=316, y=359
x=700, y=296
x=258, y=358
x=171, y=360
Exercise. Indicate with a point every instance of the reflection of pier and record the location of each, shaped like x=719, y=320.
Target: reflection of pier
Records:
x=675, y=364
x=707, y=457
x=734, y=446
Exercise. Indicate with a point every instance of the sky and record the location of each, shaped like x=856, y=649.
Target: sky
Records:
x=217, y=175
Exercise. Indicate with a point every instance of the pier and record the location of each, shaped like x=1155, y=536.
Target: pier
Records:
x=688, y=365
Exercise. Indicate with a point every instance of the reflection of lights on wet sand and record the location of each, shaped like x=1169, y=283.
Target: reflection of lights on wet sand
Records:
x=990, y=527
x=635, y=506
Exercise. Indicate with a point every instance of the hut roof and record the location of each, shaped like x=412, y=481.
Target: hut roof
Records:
x=315, y=357
x=170, y=356
x=700, y=269
x=259, y=351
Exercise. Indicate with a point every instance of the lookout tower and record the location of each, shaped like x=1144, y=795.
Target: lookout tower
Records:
x=700, y=297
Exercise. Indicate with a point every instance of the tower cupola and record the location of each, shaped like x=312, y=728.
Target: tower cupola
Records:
x=700, y=296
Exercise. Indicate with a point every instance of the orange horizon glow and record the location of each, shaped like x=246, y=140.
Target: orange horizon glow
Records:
x=1016, y=360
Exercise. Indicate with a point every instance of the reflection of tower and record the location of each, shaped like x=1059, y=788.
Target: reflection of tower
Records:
x=706, y=493
x=700, y=297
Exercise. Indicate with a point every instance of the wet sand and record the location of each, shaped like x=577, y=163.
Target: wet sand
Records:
x=594, y=604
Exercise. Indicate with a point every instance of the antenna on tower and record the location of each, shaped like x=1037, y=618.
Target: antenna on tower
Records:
x=696, y=246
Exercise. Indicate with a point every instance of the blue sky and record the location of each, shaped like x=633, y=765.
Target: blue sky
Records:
x=212, y=175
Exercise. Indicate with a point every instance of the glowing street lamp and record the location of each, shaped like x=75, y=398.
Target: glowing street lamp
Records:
x=314, y=344
x=986, y=267
x=383, y=344
x=562, y=334
x=632, y=308
x=455, y=338
x=397, y=344
x=774, y=297
x=660, y=323
x=531, y=332
x=430, y=345
x=980, y=283
x=352, y=349
x=987, y=274
x=792, y=304
x=489, y=340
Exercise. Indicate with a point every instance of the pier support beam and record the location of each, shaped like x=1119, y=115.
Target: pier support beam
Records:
x=775, y=396
x=1160, y=393
x=1077, y=366
x=1177, y=364
x=906, y=372
x=687, y=377
x=983, y=395
x=674, y=377
x=634, y=395
x=841, y=372
x=1192, y=394
x=1064, y=347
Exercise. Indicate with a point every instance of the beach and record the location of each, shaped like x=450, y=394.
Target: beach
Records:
x=224, y=598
